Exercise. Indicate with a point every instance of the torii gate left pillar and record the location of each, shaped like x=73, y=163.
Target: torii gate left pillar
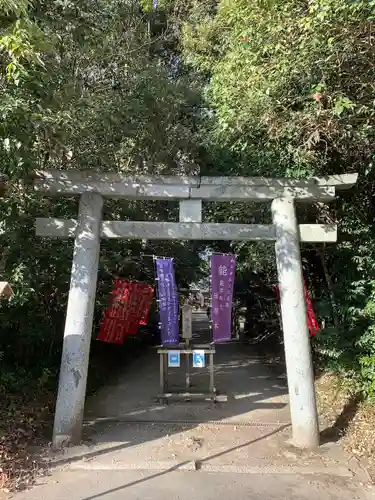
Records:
x=78, y=326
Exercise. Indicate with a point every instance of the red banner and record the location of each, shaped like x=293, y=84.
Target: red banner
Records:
x=112, y=330
x=312, y=322
x=129, y=307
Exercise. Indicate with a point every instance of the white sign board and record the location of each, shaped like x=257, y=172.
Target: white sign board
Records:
x=198, y=359
x=187, y=322
x=174, y=359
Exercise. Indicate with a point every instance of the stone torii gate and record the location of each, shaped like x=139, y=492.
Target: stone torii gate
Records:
x=89, y=228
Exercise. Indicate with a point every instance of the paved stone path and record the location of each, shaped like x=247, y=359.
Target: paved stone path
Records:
x=171, y=485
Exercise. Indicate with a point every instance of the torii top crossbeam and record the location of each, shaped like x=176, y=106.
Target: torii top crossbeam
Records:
x=117, y=185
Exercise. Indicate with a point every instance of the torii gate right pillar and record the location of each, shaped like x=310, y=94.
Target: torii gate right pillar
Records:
x=299, y=365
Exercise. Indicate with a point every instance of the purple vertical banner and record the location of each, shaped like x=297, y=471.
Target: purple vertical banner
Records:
x=223, y=268
x=168, y=301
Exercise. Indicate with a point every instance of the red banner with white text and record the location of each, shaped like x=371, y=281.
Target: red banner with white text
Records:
x=129, y=307
x=312, y=322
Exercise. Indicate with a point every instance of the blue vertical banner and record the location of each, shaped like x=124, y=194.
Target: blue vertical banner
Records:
x=223, y=269
x=168, y=301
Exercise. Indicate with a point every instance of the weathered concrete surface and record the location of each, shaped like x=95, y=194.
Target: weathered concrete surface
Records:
x=304, y=415
x=52, y=182
x=132, y=485
x=211, y=448
x=185, y=230
x=78, y=325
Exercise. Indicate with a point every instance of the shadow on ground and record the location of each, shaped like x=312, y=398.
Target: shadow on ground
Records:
x=340, y=427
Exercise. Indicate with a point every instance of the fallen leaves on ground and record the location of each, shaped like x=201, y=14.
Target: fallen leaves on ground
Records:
x=352, y=419
x=360, y=438
x=21, y=439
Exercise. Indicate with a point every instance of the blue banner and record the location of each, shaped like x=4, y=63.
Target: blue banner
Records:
x=168, y=301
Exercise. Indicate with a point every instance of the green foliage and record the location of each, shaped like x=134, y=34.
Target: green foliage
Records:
x=280, y=76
